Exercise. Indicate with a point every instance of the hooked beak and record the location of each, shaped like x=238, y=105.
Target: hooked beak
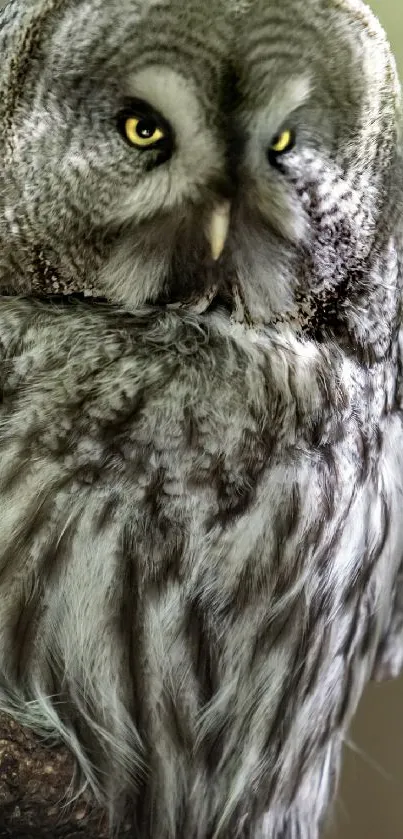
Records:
x=217, y=229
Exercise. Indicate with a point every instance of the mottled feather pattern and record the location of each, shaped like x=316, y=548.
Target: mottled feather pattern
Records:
x=187, y=540
x=201, y=538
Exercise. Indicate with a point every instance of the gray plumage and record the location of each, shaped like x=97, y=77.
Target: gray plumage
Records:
x=201, y=526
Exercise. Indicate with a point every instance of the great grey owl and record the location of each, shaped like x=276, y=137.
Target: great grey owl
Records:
x=201, y=527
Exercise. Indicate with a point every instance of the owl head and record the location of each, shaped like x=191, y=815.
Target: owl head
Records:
x=316, y=217
x=137, y=136
x=112, y=147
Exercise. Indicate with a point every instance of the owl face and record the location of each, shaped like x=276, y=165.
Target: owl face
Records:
x=139, y=136
x=318, y=117
x=115, y=157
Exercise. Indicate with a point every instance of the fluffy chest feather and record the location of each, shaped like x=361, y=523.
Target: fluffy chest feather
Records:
x=199, y=540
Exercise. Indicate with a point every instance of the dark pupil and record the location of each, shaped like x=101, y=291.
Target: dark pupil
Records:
x=146, y=128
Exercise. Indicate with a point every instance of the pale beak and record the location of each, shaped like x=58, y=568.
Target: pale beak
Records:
x=218, y=227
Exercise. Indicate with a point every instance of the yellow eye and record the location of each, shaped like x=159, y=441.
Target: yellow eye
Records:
x=283, y=142
x=142, y=132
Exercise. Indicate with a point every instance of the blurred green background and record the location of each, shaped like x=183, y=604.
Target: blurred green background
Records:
x=390, y=13
x=370, y=802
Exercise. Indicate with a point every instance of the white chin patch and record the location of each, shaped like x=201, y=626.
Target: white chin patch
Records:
x=132, y=275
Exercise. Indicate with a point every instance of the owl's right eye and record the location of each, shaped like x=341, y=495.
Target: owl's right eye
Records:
x=143, y=132
x=144, y=129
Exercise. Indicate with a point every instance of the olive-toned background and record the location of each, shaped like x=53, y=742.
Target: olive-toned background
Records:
x=370, y=803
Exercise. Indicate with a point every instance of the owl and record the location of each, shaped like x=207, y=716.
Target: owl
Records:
x=201, y=474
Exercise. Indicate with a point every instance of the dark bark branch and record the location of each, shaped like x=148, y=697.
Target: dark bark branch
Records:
x=34, y=781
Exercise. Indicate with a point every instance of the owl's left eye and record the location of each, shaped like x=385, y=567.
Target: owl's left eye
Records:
x=281, y=144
